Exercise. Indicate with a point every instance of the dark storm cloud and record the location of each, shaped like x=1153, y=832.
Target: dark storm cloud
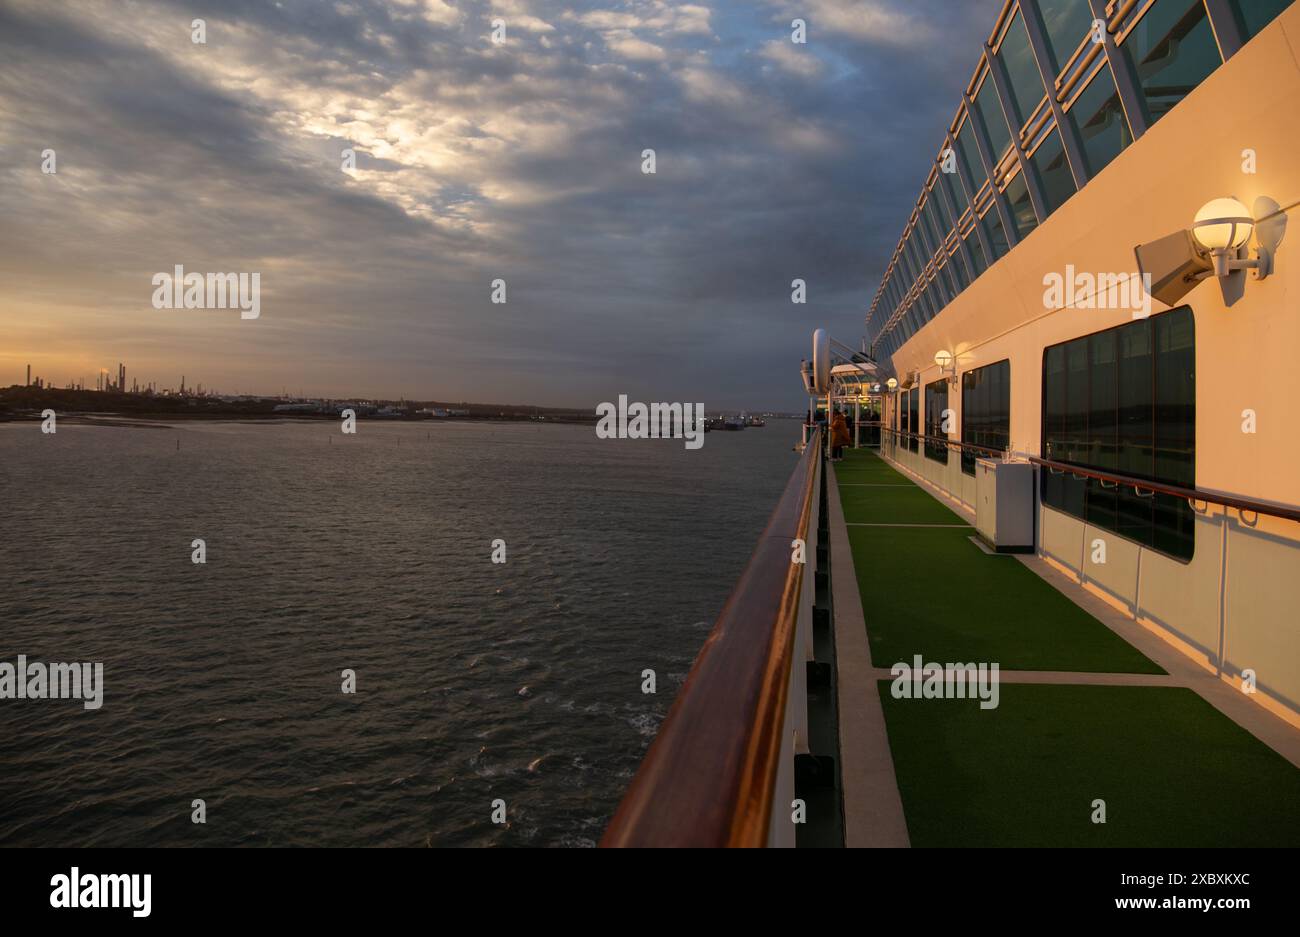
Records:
x=473, y=162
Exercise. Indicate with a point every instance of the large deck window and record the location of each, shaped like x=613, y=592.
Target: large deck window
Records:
x=997, y=234
x=1022, y=209
x=936, y=402
x=1066, y=22
x=995, y=122
x=1254, y=15
x=1124, y=401
x=1173, y=50
x=911, y=401
x=985, y=410
x=969, y=155
x=1049, y=159
x=1098, y=118
x=1026, y=83
x=914, y=416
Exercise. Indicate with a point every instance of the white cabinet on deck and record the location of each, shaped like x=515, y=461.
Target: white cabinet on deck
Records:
x=1004, y=504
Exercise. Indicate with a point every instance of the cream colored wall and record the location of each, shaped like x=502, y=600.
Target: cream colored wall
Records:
x=1245, y=358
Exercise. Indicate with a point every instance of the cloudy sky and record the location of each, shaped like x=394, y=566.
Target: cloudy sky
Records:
x=474, y=161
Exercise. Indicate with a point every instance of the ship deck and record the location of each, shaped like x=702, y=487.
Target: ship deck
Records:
x=1091, y=706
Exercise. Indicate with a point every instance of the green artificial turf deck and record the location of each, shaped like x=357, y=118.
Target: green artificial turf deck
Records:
x=931, y=591
x=1172, y=769
x=890, y=505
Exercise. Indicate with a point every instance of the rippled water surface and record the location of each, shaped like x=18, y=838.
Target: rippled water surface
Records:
x=475, y=681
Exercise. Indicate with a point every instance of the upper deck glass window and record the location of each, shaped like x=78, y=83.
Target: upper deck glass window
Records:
x=1022, y=209
x=1254, y=15
x=952, y=188
x=970, y=156
x=995, y=123
x=939, y=205
x=1173, y=50
x=1066, y=22
x=975, y=249
x=997, y=234
x=1099, y=119
x=1054, y=171
x=933, y=230
x=958, y=267
x=1022, y=69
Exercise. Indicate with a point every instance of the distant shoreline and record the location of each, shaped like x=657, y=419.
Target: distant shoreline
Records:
x=166, y=420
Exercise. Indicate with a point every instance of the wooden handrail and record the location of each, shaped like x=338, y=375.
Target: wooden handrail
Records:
x=1288, y=512
x=710, y=774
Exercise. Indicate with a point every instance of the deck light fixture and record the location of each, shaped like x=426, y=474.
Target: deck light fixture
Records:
x=1217, y=245
x=947, y=363
x=892, y=384
x=1223, y=224
x=1223, y=227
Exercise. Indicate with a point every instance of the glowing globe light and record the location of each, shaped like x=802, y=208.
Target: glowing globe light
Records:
x=1223, y=224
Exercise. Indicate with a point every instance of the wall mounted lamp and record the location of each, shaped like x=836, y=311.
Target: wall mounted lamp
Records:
x=1223, y=228
x=947, y=363
x=1217, y=245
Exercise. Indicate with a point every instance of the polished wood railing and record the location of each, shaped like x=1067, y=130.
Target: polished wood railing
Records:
x=710, y=774
x=1194, y=495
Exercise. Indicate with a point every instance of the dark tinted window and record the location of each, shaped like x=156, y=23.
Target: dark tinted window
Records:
x=1022, y=69
x=1099, y=119
x=956, y=194
x=997, y=235
x=970, y=157
x=1173, y=50
x=1066, y=23
x=913, y=416
x=1054, y=171
x=936, y=402
x=939, y=206
x=985, y=411
x=1254, y=15
x=986, y=102
x=1022, y=209
x=1124, y=401
x=976, y=251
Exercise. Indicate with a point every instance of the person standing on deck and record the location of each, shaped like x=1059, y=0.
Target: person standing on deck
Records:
x=839, y=436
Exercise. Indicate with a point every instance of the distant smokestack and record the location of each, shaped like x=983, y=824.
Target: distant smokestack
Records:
x=29, y=375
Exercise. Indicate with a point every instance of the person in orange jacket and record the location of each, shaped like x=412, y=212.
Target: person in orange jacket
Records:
x=839, y=436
